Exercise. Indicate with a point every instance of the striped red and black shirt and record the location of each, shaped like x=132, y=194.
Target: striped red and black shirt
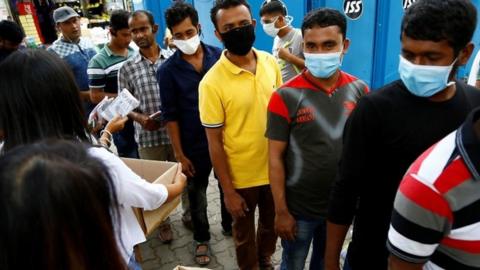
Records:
x=436, y=216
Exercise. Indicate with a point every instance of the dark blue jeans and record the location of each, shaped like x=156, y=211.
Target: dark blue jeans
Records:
x=295, y=252
x=197, y=195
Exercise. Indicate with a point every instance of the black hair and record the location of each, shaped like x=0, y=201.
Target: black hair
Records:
x=58, y=208
x=119, y=20
x=273, y=7
x=178, y=13
x=147, y=13
x=450, y=20
x=11, y=31
x=225, y=4
x=324, y=17
x=39, y=99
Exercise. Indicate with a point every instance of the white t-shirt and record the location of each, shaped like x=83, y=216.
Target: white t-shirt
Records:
x=293, y=41
x=132, y=191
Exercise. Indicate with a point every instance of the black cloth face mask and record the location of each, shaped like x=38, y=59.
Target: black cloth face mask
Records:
x=239, y=41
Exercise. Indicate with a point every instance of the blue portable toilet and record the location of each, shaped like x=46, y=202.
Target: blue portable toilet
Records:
x=375, y=38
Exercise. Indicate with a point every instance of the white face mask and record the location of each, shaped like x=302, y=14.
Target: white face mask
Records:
x=188, y=46
x=270, y=28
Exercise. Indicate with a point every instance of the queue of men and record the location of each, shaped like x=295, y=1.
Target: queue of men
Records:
x=293, y=135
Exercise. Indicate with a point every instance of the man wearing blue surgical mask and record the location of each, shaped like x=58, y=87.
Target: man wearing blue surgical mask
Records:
x=306, y=117
x=391, y=127
x=287, y=42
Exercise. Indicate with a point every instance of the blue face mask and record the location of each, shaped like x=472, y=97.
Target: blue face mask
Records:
x=323, y=65
x=424, y=81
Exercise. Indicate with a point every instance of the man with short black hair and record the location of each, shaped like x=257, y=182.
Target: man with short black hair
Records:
x=74, y=49
x=391, y=127
x=11, y=36
x=179, y=78
x=233, y=99
x=102, y=75
x=306, y=117
x=138, y=75
x=287, y=42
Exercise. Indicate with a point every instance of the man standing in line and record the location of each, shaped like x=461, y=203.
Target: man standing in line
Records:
x=11, y=36
x=287, y=42
x=138, y=75
x=435, y=222
x=74, y=49
x=179, y=78
x=103, y=76
x=233, y=101
x=306, y=117
x=391, y=127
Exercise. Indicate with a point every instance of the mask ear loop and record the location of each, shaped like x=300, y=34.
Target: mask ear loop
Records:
x=450, y=83
x=288, y=20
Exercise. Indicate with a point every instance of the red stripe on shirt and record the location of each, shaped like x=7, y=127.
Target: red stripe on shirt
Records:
x=277, y=106
x=455, y=174
x=425, y=197
x=465, y=245
x=345, y=79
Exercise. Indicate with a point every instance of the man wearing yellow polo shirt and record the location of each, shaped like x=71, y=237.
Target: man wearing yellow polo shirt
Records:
x=233, y=99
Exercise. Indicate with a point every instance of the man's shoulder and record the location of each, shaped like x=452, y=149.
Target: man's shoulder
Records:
x=214, y=72
x=472, y=93
x=130, y=62
x=169, y=62
x=297, y=34
x=100, y=59
x=263, y=55
x=87, y=43
x=213, y=49
x=387, y=93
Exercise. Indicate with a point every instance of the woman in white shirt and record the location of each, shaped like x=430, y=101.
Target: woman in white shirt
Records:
x=39, y=99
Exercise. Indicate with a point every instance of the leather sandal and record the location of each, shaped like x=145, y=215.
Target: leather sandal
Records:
x=165, y=233
x=199, y=255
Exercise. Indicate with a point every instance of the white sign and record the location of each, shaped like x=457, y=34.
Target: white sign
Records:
x=408, y=3
x=353, y=9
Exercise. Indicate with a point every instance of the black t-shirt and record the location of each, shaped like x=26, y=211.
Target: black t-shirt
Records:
x=311, y=120
x=387, y=131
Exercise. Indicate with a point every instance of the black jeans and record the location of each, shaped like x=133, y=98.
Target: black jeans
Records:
x=226, y=217
x=197, y=195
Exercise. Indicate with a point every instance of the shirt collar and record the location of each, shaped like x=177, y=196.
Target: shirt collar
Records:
x=163, y=54
x=110, y=53
x=69, y=42
x=207, y=53
x=468, y=144
x=231, y=66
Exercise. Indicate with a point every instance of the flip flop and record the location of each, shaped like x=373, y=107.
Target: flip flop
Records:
x=165, y=233
x=198, y=254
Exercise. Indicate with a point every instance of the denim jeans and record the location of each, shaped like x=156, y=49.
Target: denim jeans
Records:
x=133, y=264
x=295, y=252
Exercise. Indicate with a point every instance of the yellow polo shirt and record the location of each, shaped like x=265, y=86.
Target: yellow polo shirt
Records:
x=237, y=100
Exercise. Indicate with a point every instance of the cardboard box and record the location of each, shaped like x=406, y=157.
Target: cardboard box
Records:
x=155, y=172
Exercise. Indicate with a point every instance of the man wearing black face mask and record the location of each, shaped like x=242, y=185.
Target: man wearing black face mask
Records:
x=11, y=35
x=233, y=99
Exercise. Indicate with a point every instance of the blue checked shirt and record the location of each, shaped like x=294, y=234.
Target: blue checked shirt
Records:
x=77, y=56
x=138, y=75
